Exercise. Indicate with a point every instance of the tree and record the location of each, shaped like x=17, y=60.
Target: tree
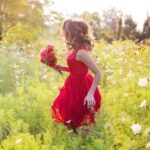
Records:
x=118, y=27
x=129, y=28
x=94, y=21
x=146, y=28
x=112, y=20
x=54, y=20
x=20, y=12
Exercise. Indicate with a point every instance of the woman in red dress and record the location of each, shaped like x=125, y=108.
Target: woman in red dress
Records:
x=79, y=98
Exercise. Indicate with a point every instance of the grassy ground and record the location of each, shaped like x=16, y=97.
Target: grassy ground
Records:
x=28, y=88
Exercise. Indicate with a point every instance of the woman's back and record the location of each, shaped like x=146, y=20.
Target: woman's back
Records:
x=76, y=67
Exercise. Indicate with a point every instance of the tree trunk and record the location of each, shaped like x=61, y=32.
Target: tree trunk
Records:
x=1, y=36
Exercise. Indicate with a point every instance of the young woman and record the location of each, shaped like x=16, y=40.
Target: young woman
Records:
x=79, y=98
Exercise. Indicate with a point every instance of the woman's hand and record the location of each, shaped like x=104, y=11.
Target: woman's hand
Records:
x=61, y=68
x=90, y=100
x=57, y=67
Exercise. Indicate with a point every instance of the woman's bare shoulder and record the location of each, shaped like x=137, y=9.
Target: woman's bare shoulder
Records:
x=81, y=53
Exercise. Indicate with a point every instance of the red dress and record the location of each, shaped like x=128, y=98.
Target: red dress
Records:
x=68, y=105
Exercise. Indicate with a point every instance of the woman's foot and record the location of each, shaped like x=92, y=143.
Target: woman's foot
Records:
x=75, y=131
x=68, y=124
x=85, y=132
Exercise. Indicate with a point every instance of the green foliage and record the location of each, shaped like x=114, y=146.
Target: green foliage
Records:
x=23, y=141
x=26, y=33
x=113, y=26
x=129, y=28
x=94, y=21
x=19, y=15
x=28, y=89
x=146, y=29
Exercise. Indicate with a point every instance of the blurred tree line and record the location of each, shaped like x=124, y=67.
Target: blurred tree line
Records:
x=26, y=21
x=22, y=21
x=113, y=26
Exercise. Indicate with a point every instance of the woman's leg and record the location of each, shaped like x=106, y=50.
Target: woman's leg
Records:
x=75, y=130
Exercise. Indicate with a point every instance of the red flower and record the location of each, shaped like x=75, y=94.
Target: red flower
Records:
x=48, y=56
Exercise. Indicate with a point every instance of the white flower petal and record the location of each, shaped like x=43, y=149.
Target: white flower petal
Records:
x=130, y=74
x=143, y=82
x=148, y=145
x=19, y=141
x=143, y=104
x=136, y=128
x=125, y=94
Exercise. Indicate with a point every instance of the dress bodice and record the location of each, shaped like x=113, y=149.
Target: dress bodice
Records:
x=76, y=67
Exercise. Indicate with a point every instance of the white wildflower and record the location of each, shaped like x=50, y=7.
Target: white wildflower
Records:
x=23, y=60
x=32, y=55
x=130, y=74
x=140, y=67
x=17, y=83
x=19, y=71
x=113, y=82
x=44, y=76
x=106, y=56
x=14, y=66
x=1, y=80
x=123, y=118
x=124, y=79
x=17, y=53
x=143, y=82
x=136, y=52
x=122, y=53
x=143, y=104
x=132, y=59
x=107, y=125
x=17, y=76
x=94, y=53
x=120, y=71
x=45, y=70
x=125, y=94
x=21, y=15
x=98, y=60
x=139, y=62
x=99, y=86
x=136, y=128
x=148, y=145
x=109, y=70
x=19, y=141
x=106, y=67
x=109, y=78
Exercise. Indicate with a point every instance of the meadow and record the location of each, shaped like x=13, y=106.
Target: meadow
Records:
x=28, y=88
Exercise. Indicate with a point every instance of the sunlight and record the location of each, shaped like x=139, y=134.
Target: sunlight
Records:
x=139, y=10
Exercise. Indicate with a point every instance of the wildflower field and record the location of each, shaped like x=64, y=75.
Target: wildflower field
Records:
x=28, y=88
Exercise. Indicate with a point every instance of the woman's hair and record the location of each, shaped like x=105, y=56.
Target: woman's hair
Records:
x=76, y=33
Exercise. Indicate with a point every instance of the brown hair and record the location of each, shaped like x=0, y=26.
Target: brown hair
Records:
x=76, y=33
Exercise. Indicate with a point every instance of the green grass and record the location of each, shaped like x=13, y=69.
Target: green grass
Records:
x=28, y=89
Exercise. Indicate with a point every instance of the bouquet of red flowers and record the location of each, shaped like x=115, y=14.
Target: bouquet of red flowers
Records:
x=47, y=56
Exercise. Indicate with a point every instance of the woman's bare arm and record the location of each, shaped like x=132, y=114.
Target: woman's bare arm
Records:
x=84, y=56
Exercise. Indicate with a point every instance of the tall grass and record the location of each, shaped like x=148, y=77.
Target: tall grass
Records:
x=28, y=88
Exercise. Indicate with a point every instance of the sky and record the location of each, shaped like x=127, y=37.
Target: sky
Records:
x=137, y=8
